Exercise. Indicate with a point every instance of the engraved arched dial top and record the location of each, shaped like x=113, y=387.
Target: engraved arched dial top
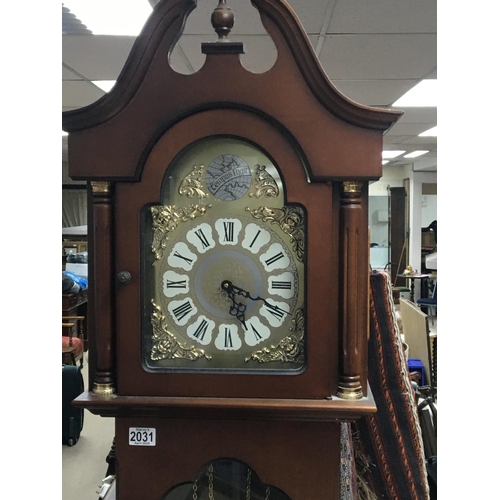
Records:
x=224, y=265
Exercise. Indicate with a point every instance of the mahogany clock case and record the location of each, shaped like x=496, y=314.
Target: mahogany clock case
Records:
x=326, y=148
x=298, y=458
x=317, y=380
x=322, y=145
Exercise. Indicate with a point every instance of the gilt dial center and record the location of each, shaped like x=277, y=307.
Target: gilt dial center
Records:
x=214, y=275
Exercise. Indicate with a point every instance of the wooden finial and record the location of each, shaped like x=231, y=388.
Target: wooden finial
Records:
x=222, y=21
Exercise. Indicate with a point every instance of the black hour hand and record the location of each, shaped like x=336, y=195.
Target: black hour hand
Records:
x=237, y=309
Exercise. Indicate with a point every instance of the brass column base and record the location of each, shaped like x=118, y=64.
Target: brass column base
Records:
x=350, y=393
x=103, y=389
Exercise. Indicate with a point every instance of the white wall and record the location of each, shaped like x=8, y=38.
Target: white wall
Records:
x=429, y=209
x=416, y=214
x=394, y=176
x=391, y=177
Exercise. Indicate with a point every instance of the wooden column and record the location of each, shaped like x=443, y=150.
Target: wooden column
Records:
x=102, y=232
x=354, y=289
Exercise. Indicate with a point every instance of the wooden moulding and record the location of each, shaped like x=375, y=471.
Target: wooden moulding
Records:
x=166, y=24
x=326, y=410
x=297, y=77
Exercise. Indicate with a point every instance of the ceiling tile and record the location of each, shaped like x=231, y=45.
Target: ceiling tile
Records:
x=384, y=16
x=408, y=128
x=180, y=62
x=422, y=142
x=374, y=92
x=418, y=115
x=96, y=57
x=260, y=53
x=79, y=93
x=379, y=57
x=395, y=139
x=311, y=17
x=247, y=19
x=69, y=75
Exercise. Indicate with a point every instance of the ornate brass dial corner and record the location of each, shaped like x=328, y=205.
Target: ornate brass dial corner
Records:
x=290, y=349
x=165, y=345
x=166, y=218
x=290, y=220
x=264, y=185
x=192, y=185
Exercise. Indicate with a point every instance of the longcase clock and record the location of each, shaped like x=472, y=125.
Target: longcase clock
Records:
x=229, y=264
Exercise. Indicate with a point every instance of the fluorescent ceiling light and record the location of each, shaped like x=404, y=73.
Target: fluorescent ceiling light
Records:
x=415, y=154
x=384, y=162
x=424, y=94
x=111, y=17
x=432, y=132
x=391, y=154
x=105, y=85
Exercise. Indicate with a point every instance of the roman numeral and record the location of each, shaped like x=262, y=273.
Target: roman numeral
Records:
x=257, y=334
x=275, y=258
x=228, y=341
x=202, y=238
x=281, y=285
x=199, y=333
x=183, y=310
x=228, y=231
x=276, y=311
x=177, y=254
x=256, y=236
x=176, y=284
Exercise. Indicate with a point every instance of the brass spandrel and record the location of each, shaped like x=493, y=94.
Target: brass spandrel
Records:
x=165, y=344
x=264, y=184
x=192, y=185
x=166, y=218
x=290, y=349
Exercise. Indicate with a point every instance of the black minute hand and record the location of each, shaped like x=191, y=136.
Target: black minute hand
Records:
x=230, y=288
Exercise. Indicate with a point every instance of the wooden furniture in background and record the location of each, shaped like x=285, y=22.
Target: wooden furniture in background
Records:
x=75, y=304
x=411, y=278
x=397, y=228
x=72, y=340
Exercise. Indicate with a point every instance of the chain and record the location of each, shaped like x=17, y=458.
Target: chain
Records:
x=210, y=482
x=211, y=485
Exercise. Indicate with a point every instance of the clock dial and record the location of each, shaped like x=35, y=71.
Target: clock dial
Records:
x=227, y=278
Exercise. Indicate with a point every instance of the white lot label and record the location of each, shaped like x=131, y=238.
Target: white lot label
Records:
x=142, y=436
